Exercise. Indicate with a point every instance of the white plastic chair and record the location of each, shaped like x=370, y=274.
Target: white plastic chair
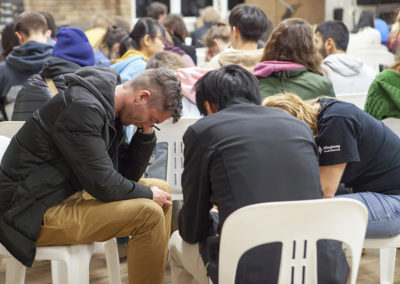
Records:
x=357, y=99
x=201, y=56
x=172, y=133
x=293, y=223
x=374, y=58
x=69, y=264
x=393, y=124
x=387, y=258
x=10, y=128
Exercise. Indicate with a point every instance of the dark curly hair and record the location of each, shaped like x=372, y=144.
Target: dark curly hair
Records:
x=165, y=89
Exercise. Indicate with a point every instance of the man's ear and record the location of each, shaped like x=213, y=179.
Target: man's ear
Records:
x=47, y=35
x=210, y=107
x=330, y=46
x=21, y=37
x=142, y=96
x=235, y=32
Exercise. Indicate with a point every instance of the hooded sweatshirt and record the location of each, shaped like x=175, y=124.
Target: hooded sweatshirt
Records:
x=188, y=77
x=383, y=99
x=35, y=93
x=281, y=76
x=73, y=142
x=130, y=64
x=23, y=61
x=348, y=74
x=244, y=58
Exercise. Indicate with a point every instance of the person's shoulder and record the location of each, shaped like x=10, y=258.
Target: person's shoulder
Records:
x=331, y=107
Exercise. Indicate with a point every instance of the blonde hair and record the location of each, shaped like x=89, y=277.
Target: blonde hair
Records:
x=210, y=15
x=294, y=105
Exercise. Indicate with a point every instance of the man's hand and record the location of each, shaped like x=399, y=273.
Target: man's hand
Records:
x=161, y=197
x=148, y=130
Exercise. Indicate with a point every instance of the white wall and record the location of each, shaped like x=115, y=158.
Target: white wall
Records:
x=349, y=7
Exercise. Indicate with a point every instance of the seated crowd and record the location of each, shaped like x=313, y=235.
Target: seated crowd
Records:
x=269, y=129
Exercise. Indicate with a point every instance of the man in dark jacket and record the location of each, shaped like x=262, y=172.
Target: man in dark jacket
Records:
x=71, y=52
x=77, y=141
x=241, y=154
x=26, y=59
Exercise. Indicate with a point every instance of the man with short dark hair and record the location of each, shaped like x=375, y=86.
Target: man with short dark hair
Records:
x=26, y=59
x=77, y=142
x=347, y=73
x=248, y=23
x=157, y=11
x=241, y=154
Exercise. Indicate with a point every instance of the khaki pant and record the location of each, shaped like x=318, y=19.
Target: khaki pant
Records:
x=187, y=267
x=83, y=219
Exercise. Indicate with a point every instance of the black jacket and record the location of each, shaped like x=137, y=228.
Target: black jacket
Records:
x=247, y=154
x=35, y=92
x=198, y=34
x=23, y=61
x=189, y=50
x=71, y=143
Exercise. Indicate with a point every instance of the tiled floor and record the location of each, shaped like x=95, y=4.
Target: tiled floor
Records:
x=40, y=272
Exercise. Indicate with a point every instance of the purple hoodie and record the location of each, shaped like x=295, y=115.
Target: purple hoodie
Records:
x=266, y=68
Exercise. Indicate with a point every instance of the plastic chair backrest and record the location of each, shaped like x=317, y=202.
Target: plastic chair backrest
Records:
x=172, y=133
x=357, y=99
x=373, y=58
x=299, y=226
x=4, y=142
x=393, y=124
x=10, y=128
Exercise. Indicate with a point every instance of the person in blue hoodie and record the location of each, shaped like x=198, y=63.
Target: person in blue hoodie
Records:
x=144, y=40
x=26, y=59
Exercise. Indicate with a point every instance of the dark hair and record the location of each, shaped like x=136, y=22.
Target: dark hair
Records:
x=121, y=23
x=165, y=89
x=250, y=20
x=8, y=40
x=335, y=30
x=156, y=9
x=220, y=87
x=293, y=40
x=51, y=24
x=366, y=20
x=175, y=25
x=144, y=26
x=112, y=36
x=167, y=59
x=30, y=21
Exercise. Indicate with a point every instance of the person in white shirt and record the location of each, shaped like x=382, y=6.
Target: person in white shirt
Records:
x=347, y=73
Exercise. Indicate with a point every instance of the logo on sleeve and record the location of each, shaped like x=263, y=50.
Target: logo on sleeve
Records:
x=331, y=148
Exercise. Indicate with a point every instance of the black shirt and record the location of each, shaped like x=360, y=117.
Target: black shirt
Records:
x=247, y=154
x=347, y=134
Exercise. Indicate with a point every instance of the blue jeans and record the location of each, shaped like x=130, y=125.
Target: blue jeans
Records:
x=383, y=213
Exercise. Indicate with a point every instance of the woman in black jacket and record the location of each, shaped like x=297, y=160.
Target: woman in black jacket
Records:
x=177, y=29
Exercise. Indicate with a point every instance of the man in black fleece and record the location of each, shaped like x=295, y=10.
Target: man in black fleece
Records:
x=240, y=154
x=26, y=59
x=77, y=141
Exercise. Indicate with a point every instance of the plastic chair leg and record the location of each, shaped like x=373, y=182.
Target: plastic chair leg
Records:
x=59, y=272
x=78, y=264
x=111, y=252
x=15, y=271
x=387, y=262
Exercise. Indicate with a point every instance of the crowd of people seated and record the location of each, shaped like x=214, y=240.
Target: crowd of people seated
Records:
x=269, y=128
